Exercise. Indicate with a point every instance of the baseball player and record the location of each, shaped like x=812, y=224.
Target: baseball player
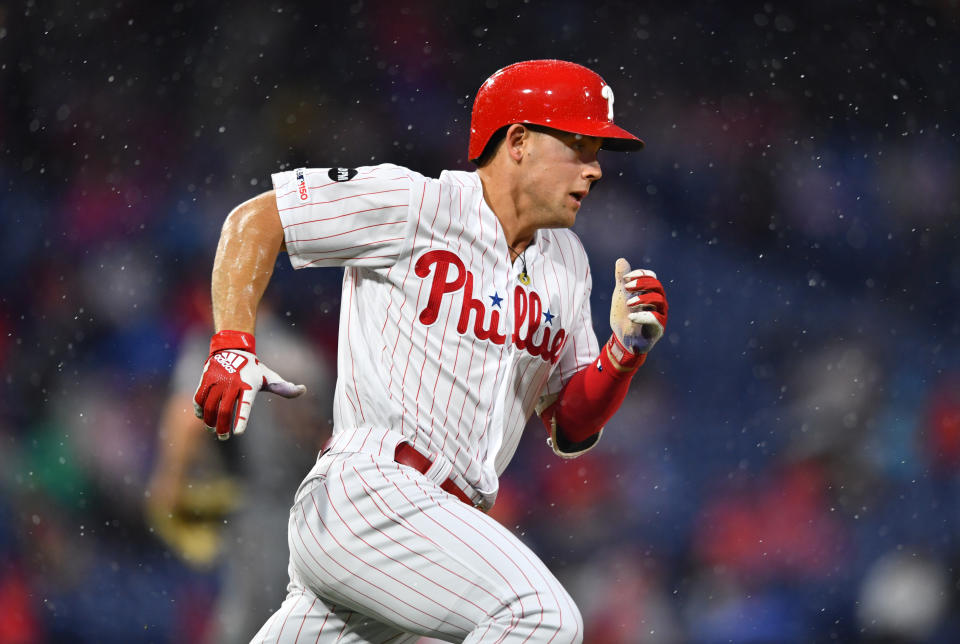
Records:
x=465, y=308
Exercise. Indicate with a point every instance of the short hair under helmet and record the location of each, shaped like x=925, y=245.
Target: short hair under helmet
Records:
x=552, y=93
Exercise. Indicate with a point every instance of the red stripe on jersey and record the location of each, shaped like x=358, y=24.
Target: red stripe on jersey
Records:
x=490, y=411
x=320, y=203
x=568, y=309
x=426, y=335
x=386, y=316
x=486, y=419
x=473, y=352
x=436, y=382
x=446, y=410
x=483, y=373
x=351, y=231
x=403, y=380
x=353, y=369
x=572, y=336
x=378, y=242
x=483, y=370
x=346, y=214
x=486, y=352
x=346, y=258
x=523, y=378
x=426, y=339
x=403, y=284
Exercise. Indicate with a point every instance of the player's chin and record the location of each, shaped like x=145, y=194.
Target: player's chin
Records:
x=561, y=220
x=561, y=216
x=569, y=219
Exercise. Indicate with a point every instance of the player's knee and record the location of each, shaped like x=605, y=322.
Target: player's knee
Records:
x=558, y=624
x=541, y=618
x=568, y=624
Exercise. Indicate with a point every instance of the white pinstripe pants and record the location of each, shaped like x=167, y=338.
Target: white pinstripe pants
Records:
x=379, y=553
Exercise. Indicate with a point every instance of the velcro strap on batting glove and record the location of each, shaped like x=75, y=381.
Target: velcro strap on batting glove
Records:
x=621, y=358
x=233, y=340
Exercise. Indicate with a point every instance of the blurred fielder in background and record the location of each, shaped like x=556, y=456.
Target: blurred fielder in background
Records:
x=234, y=502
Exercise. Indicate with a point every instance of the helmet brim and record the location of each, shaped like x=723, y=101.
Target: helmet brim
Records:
x=619, y=140
x=614, y=137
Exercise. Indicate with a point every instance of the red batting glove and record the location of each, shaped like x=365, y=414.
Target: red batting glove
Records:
x=231, y=378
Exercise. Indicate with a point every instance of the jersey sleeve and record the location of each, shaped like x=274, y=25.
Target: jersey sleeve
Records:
x=345, y=217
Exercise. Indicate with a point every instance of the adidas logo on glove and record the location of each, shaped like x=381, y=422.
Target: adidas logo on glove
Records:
x=230, y=361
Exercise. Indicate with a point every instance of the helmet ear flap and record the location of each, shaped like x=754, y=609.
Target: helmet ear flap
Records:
x=490, y=149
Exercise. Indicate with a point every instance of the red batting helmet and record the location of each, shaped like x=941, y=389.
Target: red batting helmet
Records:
x=553, y=93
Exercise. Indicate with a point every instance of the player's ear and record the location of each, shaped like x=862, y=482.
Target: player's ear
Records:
x=516, y=138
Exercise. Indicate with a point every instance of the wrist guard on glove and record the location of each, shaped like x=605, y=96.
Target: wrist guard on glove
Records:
x=638, y=314
x=231, y=378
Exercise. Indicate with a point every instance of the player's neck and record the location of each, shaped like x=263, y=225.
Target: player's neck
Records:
x=500, y=199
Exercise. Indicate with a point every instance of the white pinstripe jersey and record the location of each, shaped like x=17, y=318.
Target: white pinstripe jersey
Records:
x=439, y=340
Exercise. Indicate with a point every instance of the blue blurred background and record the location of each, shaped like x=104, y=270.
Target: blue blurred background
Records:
x=785, y=466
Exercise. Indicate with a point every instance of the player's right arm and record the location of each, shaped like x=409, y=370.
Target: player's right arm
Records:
x=250, y=240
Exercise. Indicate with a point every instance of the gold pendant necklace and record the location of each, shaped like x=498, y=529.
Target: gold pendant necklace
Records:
x=523, y=277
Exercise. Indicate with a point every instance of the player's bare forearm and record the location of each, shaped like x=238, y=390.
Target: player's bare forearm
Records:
x=250, y=240
x=177, y=434
x=178, y=444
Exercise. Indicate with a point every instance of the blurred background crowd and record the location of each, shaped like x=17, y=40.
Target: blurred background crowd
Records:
x=785, y=467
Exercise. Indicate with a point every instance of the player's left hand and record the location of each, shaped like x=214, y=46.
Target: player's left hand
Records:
x=638, y=310
x=230, y=381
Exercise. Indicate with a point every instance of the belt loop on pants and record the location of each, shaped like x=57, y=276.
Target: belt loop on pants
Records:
x=408, y=455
